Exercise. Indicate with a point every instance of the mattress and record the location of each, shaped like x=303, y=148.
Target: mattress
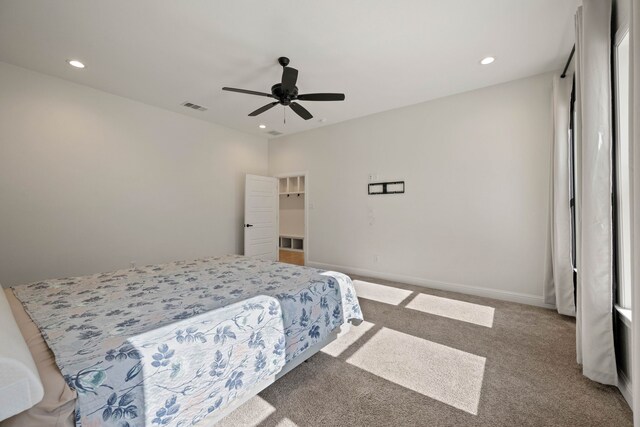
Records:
x=177, y=343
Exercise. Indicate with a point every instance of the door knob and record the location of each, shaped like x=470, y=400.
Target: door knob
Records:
x=248, y=225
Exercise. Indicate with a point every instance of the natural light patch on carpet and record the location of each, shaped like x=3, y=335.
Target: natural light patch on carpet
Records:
x=451, y=376
x=345, y=340
x=252, y=413
x=380, y=293
x=286, y=422
x=453, y=309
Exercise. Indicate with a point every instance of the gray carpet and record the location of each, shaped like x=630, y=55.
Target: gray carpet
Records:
x=432, y=358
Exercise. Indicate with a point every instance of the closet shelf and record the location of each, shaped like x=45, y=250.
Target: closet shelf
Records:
x=291, y=185
x=292, y=236
x=292, y=243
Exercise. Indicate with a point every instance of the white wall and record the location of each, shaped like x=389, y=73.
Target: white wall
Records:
x=475, y=213
x=90, y=181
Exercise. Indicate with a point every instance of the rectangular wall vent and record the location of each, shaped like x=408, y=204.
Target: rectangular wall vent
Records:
x=274, y=133
x=194, y=106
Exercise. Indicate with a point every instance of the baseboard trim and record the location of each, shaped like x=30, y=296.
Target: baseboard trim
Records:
x=443, y=286
x=624, y=385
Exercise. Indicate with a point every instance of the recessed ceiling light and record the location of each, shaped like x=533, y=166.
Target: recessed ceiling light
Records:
x=488, y=60
x=262, y=126
x=75, y=63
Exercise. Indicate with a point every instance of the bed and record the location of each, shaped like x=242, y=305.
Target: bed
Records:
x=184, y=342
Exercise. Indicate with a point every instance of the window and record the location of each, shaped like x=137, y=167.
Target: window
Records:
x=621, y=179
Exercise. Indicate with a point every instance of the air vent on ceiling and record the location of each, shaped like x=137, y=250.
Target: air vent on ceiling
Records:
x=194, y=106
x=274, y=133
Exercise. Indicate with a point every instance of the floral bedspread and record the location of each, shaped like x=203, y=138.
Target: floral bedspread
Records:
x=176, y=343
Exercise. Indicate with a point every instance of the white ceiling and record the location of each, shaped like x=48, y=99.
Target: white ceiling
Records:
x=382, y=54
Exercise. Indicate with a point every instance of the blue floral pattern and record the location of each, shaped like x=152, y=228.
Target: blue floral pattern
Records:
x=177, y=343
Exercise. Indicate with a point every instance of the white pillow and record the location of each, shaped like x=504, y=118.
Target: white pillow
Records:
x=20, y=384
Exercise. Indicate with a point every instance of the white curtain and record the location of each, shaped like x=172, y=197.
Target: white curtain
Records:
x=594, y=324
x=635, y=144
x=559, y=290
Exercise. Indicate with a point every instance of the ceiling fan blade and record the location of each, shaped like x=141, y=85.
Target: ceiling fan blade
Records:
x=263, y=109
x=322, y=97
x=289, y=79
x=300, y=110
x=248, y=92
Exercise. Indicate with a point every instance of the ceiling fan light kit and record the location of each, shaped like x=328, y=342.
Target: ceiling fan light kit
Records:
x=286, y=93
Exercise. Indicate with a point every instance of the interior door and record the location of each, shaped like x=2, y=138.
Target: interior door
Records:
x=261, y=217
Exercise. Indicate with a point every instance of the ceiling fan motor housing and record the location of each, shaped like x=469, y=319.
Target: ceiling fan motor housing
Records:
x=283, y=96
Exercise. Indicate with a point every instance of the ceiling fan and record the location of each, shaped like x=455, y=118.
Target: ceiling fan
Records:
x=286, y=93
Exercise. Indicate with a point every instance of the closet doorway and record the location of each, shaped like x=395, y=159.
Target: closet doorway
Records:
x=293, y=218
